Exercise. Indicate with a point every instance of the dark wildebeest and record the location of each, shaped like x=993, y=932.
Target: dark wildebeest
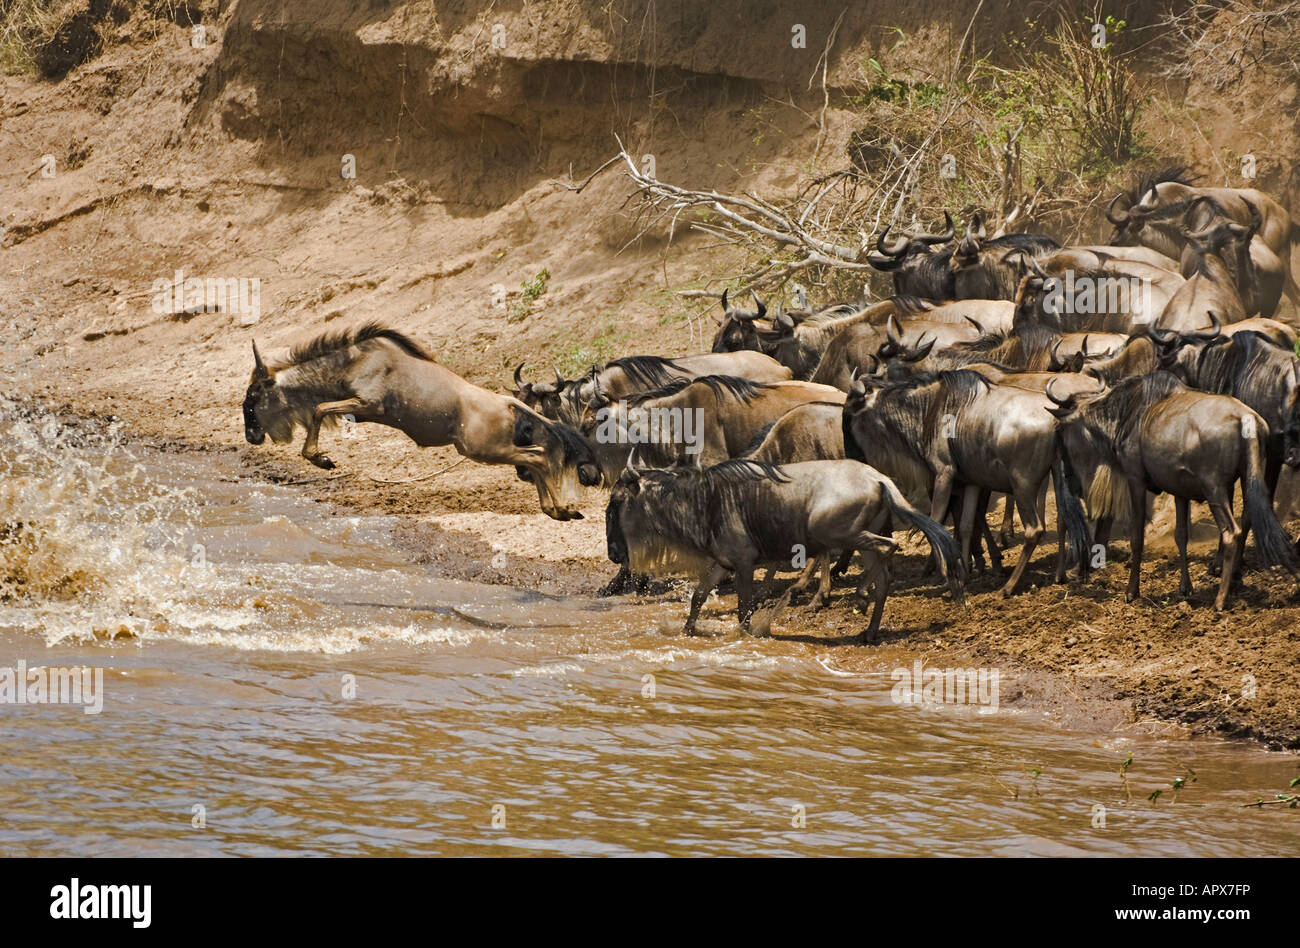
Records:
x=1260, y=375
x=985, y=269
x=1086, y=291
x=565, y=400
x=918, y=270
x=1154, y=209
x=811, y=432
x=956, y=431
x=699, y=421
x=742, y=514
x=379, y=375
x=1159, y=435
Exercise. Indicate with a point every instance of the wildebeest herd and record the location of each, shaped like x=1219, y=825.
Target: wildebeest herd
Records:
x=1148, y=365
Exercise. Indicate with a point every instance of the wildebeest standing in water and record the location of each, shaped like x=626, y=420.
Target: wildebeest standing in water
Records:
x=740, y=514
x=379, y=375
x=1162, y=436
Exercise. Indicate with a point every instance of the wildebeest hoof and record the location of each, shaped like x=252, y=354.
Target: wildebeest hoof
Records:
x=322, y=461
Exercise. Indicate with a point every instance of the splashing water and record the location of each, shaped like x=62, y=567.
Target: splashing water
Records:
x=89, y=546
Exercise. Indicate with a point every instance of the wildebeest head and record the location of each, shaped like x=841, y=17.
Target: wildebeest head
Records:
x=650, y=512
x=543, y=397
x=990, y=269
x=918, y=270
x=1208, y=230
x=563, y=462
x=736, y=329
x=1138, y=218
x=267, y=410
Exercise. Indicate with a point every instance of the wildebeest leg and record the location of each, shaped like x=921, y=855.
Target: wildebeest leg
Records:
x=876, y=553
x=1008, y=529
x=318, y=416
x=1230, y=537
x=966, y=528
x=745, y=599
x=1216, y=563
x=842, y=563
x=995, y=554
x=1182, y=511
x=708, y=580
x=805, y=577
x=622, y=579
x=824, y=590
x=1137, y=534
x=1027, y=498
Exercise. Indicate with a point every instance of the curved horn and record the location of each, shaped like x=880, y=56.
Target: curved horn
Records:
x=762, y=310
x=724, y=301
x=978, y=328
x=921, y=350
x=1084, y=348
x=519, y=381
x=1056, y=350
x=1216, y=326
x=894, y=331
x=559, y=379
x=1047, y=390
x=259, y=367
x=950, y=231
x=1162, y=336
x=898, y=248
x=883, y=263
x=1110, y=211
x=1032, y=262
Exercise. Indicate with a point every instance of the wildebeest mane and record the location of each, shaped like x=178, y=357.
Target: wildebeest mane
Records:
x=644, y=371
x=1247, y=362
x=330, y=342
x=740, y=389
x=1118, y=412
x=1174, y=174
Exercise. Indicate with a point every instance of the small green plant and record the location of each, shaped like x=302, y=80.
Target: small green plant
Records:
x=1180, y=782
x=532, y=290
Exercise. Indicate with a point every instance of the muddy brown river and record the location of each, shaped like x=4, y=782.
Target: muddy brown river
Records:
x=279, y=678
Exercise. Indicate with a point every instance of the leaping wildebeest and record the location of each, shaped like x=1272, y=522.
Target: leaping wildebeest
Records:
x=376, y=374
x=741, y=514
x=1159, y=435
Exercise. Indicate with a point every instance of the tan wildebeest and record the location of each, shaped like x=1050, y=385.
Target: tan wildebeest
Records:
x=379, y=375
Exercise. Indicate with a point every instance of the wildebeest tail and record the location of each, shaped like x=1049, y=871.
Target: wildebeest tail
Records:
x=1070, y=514
x=940, y=542
x=1274, y=547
